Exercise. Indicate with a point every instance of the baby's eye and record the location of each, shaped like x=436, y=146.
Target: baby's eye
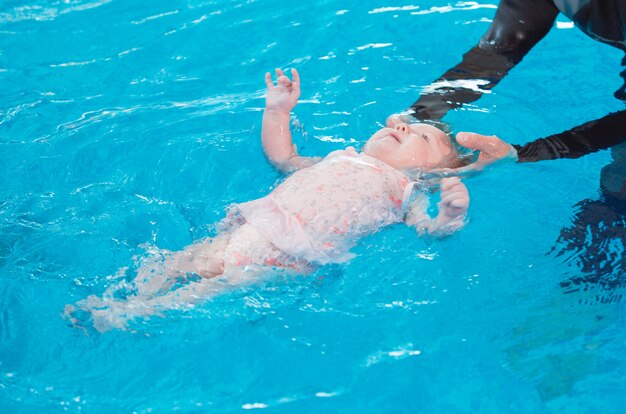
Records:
x=425, y=137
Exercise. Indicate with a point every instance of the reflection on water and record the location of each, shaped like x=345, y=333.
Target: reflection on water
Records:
x=594, y=244
x=578, y=317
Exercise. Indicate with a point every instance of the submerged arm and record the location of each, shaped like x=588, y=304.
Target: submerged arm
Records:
x=517, y=26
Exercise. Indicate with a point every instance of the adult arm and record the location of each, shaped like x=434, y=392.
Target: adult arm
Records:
x=590, y=137
x=517, y=26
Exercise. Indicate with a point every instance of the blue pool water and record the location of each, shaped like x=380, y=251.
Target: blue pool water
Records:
x=128, y=125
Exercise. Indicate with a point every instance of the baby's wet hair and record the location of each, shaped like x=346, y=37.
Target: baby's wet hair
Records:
x=459, y=156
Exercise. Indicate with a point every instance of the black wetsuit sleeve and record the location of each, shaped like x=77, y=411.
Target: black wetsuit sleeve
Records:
x=590, y=137
x=517, y=26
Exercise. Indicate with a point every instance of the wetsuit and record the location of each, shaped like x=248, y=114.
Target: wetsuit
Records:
x=518, y=25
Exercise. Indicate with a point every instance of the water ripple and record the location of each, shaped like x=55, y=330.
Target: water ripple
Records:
x=400, y=352
x=154, y=17
x=189, y=24
x=42, y=13
x=393, y=9
x=11, y=113
x=99, y=115
x=463, y=5
x=201, y=107
x=94, y=60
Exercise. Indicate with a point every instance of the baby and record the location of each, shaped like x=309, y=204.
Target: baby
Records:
x=313, y=218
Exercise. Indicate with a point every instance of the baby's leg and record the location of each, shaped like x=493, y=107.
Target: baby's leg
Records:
x=153, y=290
x=161, y=272
x=239, y=256
x=204, y=258
x=249, y=255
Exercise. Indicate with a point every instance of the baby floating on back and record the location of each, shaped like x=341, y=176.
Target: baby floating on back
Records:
x=311, y=219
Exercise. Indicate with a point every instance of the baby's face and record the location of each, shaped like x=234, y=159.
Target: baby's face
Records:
x=405, y=146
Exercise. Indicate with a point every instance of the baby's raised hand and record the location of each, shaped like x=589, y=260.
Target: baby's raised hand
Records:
x=454, y=199
x=284, y=95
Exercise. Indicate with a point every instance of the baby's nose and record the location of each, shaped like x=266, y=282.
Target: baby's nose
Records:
x=392, y=121
x=402, y=127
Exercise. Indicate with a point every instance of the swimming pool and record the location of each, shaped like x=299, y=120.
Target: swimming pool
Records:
x=131, y=123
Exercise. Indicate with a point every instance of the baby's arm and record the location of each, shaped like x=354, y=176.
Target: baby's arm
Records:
x=452, y=210
x=276, y=133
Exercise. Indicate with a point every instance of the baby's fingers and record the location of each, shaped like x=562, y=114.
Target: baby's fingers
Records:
x=448, y=183
x=452, y=206
x=268, y=80
x=282, y=78
x=459, y=203
x=449, y=198
x=296, y=80
x=284, y=82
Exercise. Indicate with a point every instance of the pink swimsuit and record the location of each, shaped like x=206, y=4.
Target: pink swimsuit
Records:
x=319, y=212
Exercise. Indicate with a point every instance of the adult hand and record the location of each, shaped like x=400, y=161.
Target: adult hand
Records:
x=491, y=148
